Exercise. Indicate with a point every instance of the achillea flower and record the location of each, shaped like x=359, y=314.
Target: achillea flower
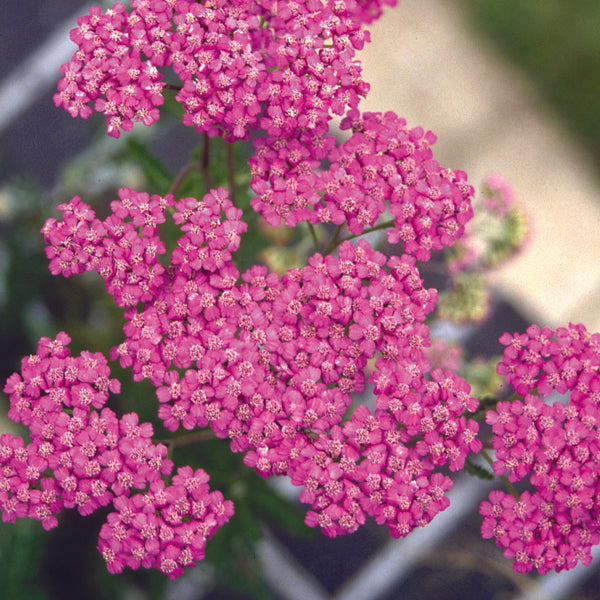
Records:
x=383, y=166
x=115, y=66
x=272, y=362
x=167, y=527
x=293, y=64
x=81, y=458
x=555, y=525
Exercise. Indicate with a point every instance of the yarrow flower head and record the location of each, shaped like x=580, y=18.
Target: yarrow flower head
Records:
x=167, y=527
x=291, y=62
x=128, y=259
x=272, y=362
x=382, y=166
x=555, y=525
x=116, y=65
x=276, y=363
x=81, y=455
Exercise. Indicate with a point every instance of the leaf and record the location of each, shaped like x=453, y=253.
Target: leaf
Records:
x=478, y=471
x=156, y=172
x=18, y=571
x=275, y=508
x=233, y=554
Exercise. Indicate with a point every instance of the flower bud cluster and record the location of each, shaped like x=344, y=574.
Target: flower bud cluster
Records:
x=81, y=455
x=498, y=231
x=555, y=445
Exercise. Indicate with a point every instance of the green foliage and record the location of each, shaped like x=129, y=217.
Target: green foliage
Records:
x=233, y=551
x=158, y=177
x=21, y=546
x=478, y=471
x=24, y=275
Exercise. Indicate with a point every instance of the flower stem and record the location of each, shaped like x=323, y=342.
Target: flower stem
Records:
x=205, y=163
x=195, y=166
x=379, y=227
x=231, y=171
x=334, y=243
x=186, y=439
x=313, y=235
x=170, y=86
x=509, y=486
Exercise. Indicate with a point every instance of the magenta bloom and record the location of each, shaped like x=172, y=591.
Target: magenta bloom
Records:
x=555, y=525
x=293, y=65
x=382, y=166
x=85, y=459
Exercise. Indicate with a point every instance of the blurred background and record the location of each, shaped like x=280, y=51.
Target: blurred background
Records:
x=510, y=87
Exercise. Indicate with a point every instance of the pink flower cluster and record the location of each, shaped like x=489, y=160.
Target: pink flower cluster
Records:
x=124, y=248
x=383, y=166
x=285, y=66
x=274, y=363
x=555, y=445
x=116, y=67
x=271, y=362
x=165, y=528
x=83, y=458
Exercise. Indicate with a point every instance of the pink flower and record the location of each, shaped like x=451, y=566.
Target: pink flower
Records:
x=383, y=166
x=550, y=443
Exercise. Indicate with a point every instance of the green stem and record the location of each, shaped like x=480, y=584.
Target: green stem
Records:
x=509, y=486
x=182, y=175
x=379, y=227
x=231, y=171
x=205, y=163
x=176, y=88
x=313, y=235
x=487, y=458
x=186, y=439
x=333, y=244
